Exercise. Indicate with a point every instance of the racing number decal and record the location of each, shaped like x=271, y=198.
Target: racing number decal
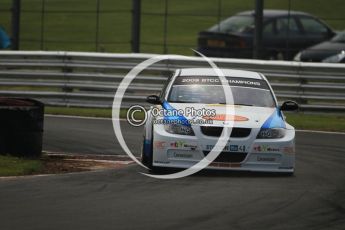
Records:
x=229, y=148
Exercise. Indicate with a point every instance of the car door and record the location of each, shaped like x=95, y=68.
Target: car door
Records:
x=269, y=39
x=282, y=37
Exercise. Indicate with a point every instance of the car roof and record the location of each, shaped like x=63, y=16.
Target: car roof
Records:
x=211, y=73
x=274, y=13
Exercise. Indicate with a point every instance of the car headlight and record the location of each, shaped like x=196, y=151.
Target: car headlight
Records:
x=297, y=56
x=271, y=133
x=179, y=129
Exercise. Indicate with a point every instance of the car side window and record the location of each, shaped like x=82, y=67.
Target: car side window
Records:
x=285, y=25
x=268, y=29
x=312, y=26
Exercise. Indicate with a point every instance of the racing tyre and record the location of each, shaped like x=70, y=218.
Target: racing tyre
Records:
x=146, y=160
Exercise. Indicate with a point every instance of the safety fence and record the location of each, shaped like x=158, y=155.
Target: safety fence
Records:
x=91, y=79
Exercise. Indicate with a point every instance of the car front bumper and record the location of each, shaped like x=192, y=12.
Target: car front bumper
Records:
x=246, y=154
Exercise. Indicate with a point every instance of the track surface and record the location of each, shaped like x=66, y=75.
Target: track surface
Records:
x=313, y=199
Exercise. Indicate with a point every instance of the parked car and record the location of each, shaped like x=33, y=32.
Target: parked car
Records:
x=284, y=35
x=338, y=58
x=324, y=51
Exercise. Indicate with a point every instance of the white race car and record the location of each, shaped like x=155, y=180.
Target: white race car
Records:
x=260, y=139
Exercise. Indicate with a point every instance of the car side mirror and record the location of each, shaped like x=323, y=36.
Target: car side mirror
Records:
x=153, y=99
x=289, y=106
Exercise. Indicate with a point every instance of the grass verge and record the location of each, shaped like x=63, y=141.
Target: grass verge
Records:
x=84, y=112
x=57, y=164
x=322, y=122
x=15, y=166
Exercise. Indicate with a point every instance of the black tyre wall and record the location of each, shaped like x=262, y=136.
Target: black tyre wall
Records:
x=21, y=127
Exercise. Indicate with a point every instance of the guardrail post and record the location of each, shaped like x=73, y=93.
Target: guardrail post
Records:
x=15, y=24
x=302, y=81
x=301, y=100
x=136, y=12
x=66, y=69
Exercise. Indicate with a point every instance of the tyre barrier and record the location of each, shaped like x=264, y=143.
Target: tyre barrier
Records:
x=21, y=127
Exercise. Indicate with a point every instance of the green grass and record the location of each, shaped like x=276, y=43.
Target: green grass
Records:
x=65, y=30
x=14, y=166
x=86, y=112
x=323, y=122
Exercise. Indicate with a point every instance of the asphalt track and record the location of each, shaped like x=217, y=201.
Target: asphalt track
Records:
x=124, y=199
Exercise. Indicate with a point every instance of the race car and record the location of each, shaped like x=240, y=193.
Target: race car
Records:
x=185, y=122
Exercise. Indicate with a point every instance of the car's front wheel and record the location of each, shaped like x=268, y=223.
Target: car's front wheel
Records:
x=146, y=153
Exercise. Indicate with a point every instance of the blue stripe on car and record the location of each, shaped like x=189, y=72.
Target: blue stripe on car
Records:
x=178, y=119
x=275, y=120
x=147, y=147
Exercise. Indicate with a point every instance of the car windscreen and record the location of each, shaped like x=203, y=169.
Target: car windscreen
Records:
x=209, y=90
x=236, y=24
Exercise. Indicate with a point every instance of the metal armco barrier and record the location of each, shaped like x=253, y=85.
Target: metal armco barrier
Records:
x=91, y=79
